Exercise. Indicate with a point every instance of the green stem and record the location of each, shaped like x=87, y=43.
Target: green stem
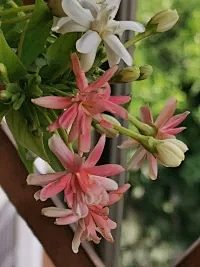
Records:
x=17, y=9
x=144, y=128
x=16, y=20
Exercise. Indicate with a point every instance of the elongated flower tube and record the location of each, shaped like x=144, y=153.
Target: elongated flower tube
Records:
x=83, y=183
x=97, y=20
x=165, y=126
x=89, y=103
x=97, y=220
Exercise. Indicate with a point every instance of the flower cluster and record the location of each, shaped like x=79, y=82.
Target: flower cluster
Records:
x=47, y=95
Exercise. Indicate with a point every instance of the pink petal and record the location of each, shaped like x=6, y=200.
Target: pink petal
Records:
x=81, y=80
x=61, y=151
x=68, y=117
x=153, y=166
x=103, y=79
x=84, y=142
x=111, y=224
x=175, y=120
x=106, y=170
x=53, y=188
x=146, y=114
x=175, y=131
x=67, y=220
x=54, y=126
x=95, y=154
x=73, y=134
x=34, y=179
x=119, y=99
x=115, y=109
x=128, y=144
x=116, y=195
x=108, y=184
x=137, y=156
x=166, y=113
x=54, y=102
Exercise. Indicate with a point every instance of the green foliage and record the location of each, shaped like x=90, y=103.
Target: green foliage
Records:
x=34, y=37
x=14, y=66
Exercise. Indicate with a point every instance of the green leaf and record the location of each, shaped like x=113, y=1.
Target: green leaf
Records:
x=26, y=158
x=31, y=140
x=59, y=53
x=34, y=38
x=3, y=111
x=14, y=66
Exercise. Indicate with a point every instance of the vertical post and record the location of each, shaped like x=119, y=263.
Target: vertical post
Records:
x=111, y=252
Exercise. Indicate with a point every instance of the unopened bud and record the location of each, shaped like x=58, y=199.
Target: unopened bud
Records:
x=5, y=95
x=165, y=20
x=56, y=8
x=109, y=132
x=145, y=72
x=171, y=152
x=126, y=75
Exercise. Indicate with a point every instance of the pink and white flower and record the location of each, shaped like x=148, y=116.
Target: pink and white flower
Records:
x=96, y=221
x=89, y=103
x=97, y=21
x=165, y=126
x=83, y=183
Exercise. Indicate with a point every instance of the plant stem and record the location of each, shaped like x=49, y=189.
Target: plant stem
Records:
x=17, y=10
x=16, y=20
x=143, y=128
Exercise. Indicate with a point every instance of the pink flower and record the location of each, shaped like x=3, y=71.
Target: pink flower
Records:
x=83, y=183
x=90, y=102
x=96, y=221
x=165, y=125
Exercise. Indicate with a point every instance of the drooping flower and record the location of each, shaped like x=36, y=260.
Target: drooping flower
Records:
x=97, y=20
x=165, y=126
x=96, y=221
x=90, y=102
x=83, y=183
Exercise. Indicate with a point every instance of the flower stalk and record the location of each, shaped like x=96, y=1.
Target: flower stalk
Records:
x=16, y=10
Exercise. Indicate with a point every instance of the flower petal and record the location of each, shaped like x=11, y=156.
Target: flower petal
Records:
x=87, y=60
x=61, y=151
x=131, y=26
x=95, y=154
x=113, y=58
x=175, y=120
x=66, y=24
x=137, y=156
x=77, y=13
x=114, y=43
x=115, y=109
x=92, y=6
x=166, y=113
x=81, y=80
x=88, y=42
x=106, y=170
x=54, y=102
x=103, y=79
x=116, y=195
x=67, y=220
x=84, y=139
x=119, y=99
x=56, y=212
x=68, y=117
x=153, y=166
x=35, y=179
x=77, y=239
x=146, y=114
x=107, y=183
x=128, y=144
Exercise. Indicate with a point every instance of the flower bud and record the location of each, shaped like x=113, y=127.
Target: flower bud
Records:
x=171, y=152
x=56, y=8
x=145, y=72
x=5, y=95
x=126, y=75
x=165, y=20
x=109, y=132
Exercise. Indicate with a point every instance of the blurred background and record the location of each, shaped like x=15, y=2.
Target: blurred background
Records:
x=162, y=217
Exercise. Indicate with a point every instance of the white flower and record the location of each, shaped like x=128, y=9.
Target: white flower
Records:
x=97, y=21
x=171, y=152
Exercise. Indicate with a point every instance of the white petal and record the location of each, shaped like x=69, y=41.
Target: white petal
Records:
x=77, y=13
x=114, y=43
x=56, y=212
x=88, y=42
x=92, y=6
x=87, y=60
x=77, y=239
x=107, y=183
x=65, y=25
x=114, y=4
x=113, y=58
x=131, y=26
